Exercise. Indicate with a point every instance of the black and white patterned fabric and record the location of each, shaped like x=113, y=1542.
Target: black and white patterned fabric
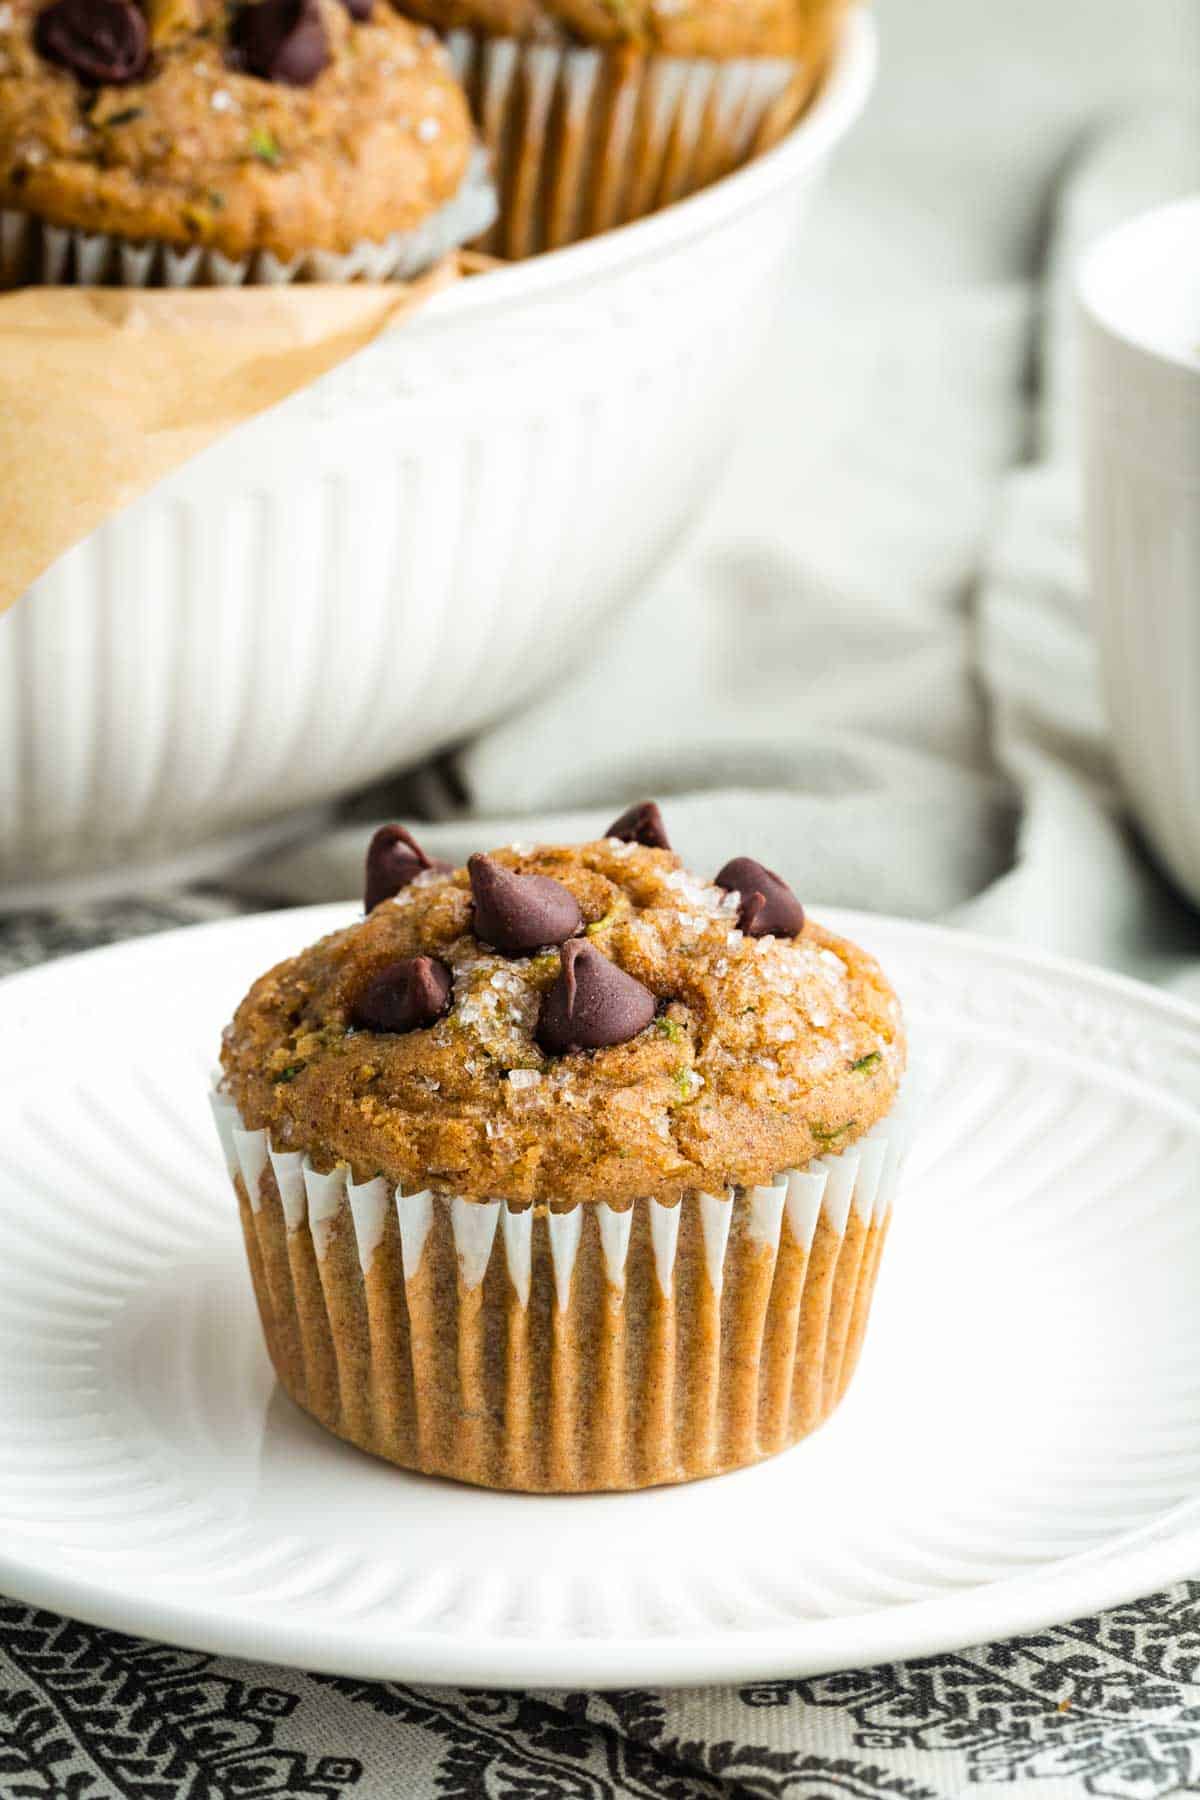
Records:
x=1107, y=1706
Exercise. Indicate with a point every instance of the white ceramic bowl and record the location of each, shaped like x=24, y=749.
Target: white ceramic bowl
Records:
x=399, y=553
x=1140, y=297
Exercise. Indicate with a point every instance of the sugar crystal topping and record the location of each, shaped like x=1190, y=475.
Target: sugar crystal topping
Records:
x=738, y=1039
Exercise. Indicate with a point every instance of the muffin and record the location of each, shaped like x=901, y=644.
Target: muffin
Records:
x=569, y=1170
x=601, y=111
x=192, y=141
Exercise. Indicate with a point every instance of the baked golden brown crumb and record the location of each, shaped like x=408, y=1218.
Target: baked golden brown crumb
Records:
x=717, y=28
x=196, y=151
x=762, y=1053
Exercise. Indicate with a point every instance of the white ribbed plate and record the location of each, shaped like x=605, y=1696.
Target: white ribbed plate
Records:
x=1022, y=1441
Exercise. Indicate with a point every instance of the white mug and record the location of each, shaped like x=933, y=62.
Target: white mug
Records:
x=1139, y=291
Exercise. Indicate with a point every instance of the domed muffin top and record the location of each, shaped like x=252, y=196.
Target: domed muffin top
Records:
x=556, y=1024
x=717, y=28
x=281, y=125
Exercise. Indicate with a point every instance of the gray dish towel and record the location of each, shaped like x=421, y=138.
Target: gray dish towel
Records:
x=872, y=669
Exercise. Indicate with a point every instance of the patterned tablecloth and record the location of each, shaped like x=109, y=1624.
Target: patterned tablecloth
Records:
x=1105, y=1706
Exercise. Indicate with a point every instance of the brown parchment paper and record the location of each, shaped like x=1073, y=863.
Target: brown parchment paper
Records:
x=103, y=391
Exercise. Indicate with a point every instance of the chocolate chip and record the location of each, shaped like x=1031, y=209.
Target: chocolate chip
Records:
x=280, y=40
x=105, y=42
x=591, y=1004
x=359, y=10
x=394, y=860
x=769, y=908
x=518, y=913
x=406, y=996
x=641, y=824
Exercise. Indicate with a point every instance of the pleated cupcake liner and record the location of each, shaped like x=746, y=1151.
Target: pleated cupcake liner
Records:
x=570, y=1348
x=34, y=252
x=586, y=139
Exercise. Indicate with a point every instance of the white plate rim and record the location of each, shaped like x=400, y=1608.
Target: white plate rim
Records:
x=1071, y=1589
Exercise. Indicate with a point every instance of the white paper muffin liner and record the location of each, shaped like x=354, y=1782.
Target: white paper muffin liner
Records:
x=35, y=253
x=570, y=1348
x=585, y=139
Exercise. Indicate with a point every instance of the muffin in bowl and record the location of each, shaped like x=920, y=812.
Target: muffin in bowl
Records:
x=191, y=141
x=569, y=1170
x=601, y=111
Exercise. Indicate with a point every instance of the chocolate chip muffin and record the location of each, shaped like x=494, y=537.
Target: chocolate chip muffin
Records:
x=195, y=139
x=601, y=111
x=570, y=1169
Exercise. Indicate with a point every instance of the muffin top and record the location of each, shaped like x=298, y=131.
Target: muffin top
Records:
x=718, y=28
x=674, y=1034
x=281, y=125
